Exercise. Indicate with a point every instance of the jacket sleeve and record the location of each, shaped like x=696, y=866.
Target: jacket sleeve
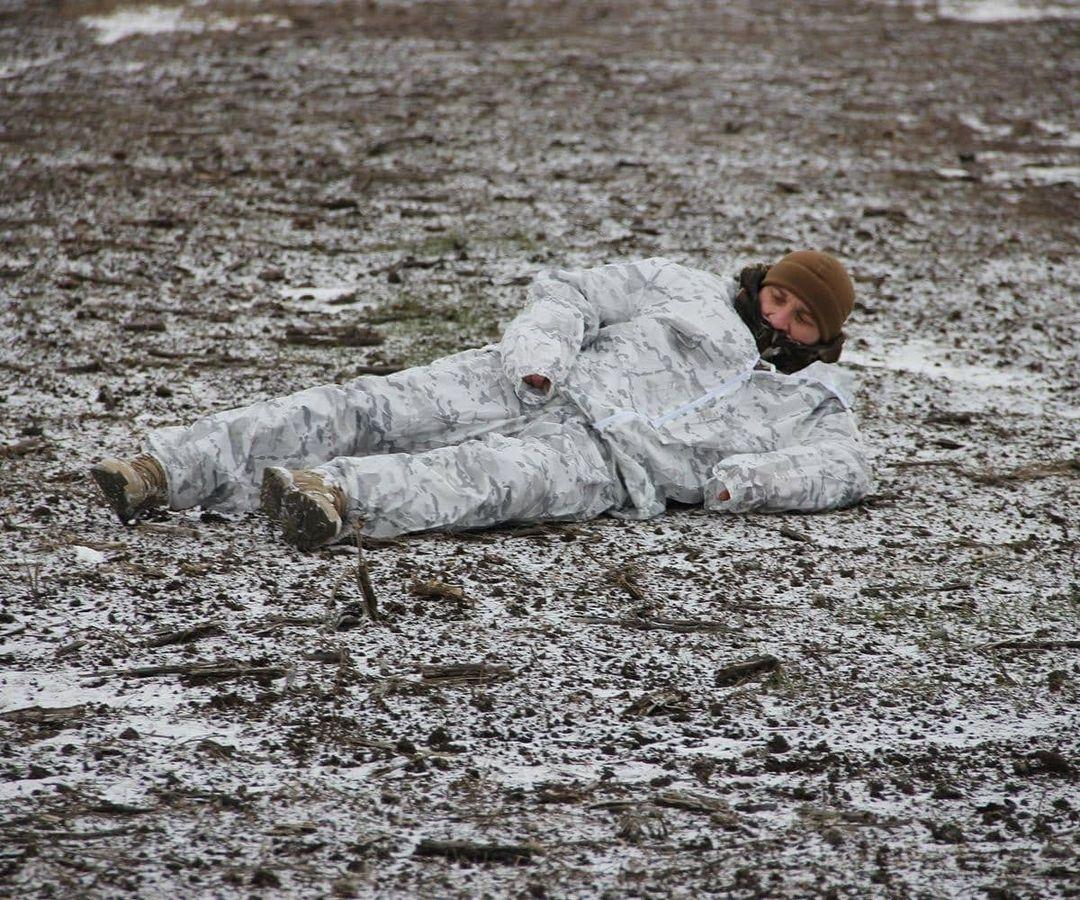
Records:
x=565, y=311
x=827, y=469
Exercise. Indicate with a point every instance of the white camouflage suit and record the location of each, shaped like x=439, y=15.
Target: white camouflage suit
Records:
x=656, y=394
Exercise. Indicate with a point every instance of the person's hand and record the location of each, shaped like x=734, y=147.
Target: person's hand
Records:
x=537, y=381
x=724, y=495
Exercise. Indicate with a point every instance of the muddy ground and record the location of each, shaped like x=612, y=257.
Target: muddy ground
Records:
x=272, y=195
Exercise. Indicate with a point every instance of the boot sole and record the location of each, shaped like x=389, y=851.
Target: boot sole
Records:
x=306, y=523
x=114, y=487
x=276, y=483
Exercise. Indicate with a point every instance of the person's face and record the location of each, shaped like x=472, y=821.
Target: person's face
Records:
x=787, y=312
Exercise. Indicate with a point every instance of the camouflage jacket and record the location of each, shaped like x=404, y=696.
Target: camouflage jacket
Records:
x=657, y=359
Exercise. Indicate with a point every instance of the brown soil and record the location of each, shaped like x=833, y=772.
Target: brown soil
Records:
x=879, y=701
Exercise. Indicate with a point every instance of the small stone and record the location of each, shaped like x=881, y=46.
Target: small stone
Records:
x=264, y=878
x=439, y=737
x=777, y=744
x=945, y=791
x=949, y=833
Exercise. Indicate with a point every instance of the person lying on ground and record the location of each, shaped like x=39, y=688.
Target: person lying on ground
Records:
x=616, y=390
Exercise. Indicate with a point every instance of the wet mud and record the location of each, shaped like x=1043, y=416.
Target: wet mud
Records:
x=206, y=205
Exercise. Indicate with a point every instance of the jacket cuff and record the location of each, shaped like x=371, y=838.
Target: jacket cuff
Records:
x=745, y=495
x=528, y=395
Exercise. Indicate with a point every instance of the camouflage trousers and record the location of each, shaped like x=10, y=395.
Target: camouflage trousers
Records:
x=447, y=445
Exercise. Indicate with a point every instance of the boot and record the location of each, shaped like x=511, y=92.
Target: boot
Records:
x=131, y=486
x=311, y=512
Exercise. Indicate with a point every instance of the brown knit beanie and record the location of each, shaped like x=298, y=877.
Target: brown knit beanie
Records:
x=822, y=282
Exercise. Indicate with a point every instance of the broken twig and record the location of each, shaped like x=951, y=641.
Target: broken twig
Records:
x=467, y=850
x=363, y=579
x=195, y=672
x=668, y=701
x=39, y=714
x=185, y=635
x=335, y=336
x=748, y=668
x=464, y=673
x=437, y=590
x=162, y=528
x=625, y=577
x=24, y=447
x=638, y=623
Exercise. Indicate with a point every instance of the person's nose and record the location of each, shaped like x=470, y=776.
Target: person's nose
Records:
x=781, y=320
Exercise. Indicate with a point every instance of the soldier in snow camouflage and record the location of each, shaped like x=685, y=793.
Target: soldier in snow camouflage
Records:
x=615, y=390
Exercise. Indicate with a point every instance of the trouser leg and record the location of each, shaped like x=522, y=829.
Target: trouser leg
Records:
x=550, y=471
x=219, y=459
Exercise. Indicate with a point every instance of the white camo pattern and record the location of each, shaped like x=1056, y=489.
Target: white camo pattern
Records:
x=655, y=397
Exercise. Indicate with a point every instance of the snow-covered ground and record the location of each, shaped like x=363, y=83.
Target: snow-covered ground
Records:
x=190, y=708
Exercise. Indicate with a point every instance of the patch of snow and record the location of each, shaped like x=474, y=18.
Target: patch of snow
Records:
x=20, y=689
x=1062, y=134
x=923, y=357
x=125, y=22
x=985, y=12
x=982, y=11
x=976, y=124
x=610, y=230
x=1018, y=169
x=88, y=555
x=270, y=21
x=1038, y=175
x=123, y=790
x=15, y=67
x=26, y=787
x=869, y=735
x=954, y=174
